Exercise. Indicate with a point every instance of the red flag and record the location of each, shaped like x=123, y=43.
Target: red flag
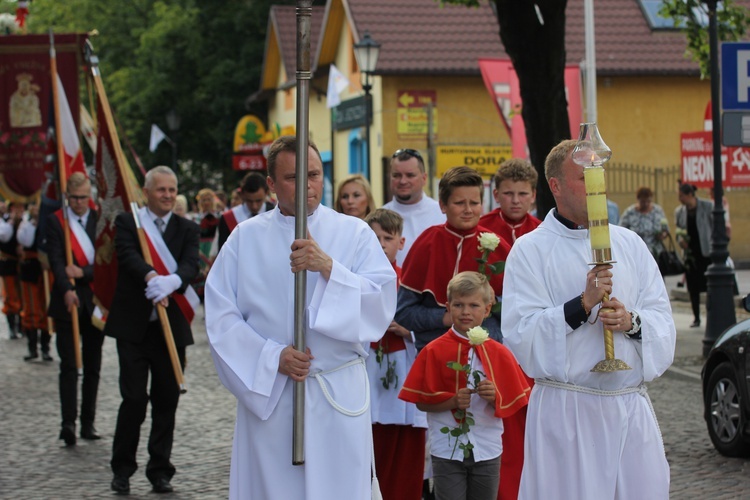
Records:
x=113, y=199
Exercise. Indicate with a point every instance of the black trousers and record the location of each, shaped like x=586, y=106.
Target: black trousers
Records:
x=136, y=361
x=91, y=355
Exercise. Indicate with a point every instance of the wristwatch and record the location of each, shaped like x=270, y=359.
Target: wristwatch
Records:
x=636, y=321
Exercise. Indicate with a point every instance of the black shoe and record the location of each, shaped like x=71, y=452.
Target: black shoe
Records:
x=30, y=356
x=120, y=485
x=89, y=432
x=162, y=485
x=68, y=434
x=695, y=324
x=46, y=356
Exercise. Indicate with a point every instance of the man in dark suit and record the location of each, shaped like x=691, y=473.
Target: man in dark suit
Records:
x=254, y=194
x=133, y=321
x=67, y=296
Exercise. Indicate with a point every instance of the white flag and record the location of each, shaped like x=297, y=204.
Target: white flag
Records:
x=156, y=137
x=337, y=82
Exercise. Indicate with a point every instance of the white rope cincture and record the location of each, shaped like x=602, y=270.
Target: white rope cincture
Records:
x=320, y=377
x=640, y=389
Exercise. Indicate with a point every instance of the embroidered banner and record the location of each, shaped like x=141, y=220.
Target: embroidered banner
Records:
x=25, y=101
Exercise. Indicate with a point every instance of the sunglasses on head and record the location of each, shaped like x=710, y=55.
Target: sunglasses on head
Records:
x=411, y=152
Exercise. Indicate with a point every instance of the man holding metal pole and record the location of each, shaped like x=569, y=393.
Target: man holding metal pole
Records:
x=350, y=301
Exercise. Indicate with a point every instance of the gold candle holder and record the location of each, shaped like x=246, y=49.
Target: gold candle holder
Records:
x=591, y=152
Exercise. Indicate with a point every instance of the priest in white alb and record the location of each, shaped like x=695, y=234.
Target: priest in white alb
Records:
x=350, y=301
x=589, y=435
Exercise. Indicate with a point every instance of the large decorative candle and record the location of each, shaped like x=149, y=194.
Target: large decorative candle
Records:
x=591, y=152
x=596, y=202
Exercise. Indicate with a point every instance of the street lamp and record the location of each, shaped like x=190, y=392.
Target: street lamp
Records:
x=367, y=51
x=173, y=123
x=719, y=277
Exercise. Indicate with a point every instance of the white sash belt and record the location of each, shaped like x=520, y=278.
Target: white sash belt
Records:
x=320, y=377
x=640, y=389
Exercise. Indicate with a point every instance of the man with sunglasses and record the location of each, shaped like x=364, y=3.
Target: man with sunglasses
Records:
x=78, y=298
x=408, y=178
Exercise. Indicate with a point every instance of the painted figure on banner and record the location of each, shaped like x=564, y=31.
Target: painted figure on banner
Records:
x=24, y=103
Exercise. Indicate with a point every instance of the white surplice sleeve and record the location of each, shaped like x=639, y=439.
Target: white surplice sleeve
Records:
x=247, y=363
x=658, y=333
x=356, y=304
x=534, y=329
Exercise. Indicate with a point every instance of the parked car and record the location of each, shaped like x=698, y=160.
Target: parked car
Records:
x=726, y=389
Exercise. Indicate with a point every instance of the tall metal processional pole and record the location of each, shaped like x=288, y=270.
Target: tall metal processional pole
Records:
x=304, y=17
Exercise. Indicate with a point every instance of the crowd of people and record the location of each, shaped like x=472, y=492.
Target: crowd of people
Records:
x=448, y=352
x=404, y=372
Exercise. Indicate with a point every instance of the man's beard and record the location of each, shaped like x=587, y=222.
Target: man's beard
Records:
x=405, y=198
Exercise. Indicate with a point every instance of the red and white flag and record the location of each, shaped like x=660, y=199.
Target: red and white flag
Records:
x=68, y=133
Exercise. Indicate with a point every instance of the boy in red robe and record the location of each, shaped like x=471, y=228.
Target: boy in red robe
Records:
x=443, y=251
x=398, y=428
x=515, y=192
x=463, y=375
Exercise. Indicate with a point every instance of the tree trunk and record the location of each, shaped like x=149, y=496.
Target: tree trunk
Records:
x=537, y=51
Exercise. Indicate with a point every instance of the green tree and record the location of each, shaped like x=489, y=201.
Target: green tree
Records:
x=535, y=42
x=692, y=17
x=201, y=59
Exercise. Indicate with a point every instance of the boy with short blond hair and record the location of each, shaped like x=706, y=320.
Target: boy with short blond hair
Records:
x=398, y=427
x=460, y=372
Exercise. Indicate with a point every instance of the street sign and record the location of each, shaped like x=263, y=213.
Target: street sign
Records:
x=735, y=76
x=483, y=159
x=697, y=161
x=735, y=128
x=351, y=113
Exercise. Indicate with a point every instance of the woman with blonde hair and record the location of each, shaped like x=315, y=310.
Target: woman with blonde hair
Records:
x=354, y=197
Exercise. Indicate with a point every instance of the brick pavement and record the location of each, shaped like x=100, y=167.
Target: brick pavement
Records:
x=35, y=465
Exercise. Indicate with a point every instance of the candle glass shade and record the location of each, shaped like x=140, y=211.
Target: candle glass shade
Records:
x=592, y=152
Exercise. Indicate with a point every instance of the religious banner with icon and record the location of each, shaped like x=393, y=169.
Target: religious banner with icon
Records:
x=25, y=102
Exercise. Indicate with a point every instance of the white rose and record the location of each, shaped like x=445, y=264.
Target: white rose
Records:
x=477, y=335
x=488, y=241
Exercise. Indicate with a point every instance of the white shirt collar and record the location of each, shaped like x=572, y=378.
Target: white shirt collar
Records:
x=73, y=217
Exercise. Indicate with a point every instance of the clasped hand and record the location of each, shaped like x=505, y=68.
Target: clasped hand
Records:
x=485, y=390
x=613, y=314
x=159, y=288
x=308, y=256
x=294, y=363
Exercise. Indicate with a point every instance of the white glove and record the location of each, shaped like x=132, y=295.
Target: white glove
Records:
x=162, y=286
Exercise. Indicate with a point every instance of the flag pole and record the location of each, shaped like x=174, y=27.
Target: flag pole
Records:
x=304, y=16
x=63, y=175
x=93, y=62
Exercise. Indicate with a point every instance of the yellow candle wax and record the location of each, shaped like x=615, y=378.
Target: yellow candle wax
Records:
x=594, y=178
x=596, y=204
x=599, y=237
x=597, y=207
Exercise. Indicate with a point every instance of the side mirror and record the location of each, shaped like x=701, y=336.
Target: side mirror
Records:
x=746, y=302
